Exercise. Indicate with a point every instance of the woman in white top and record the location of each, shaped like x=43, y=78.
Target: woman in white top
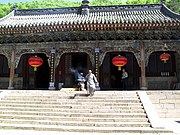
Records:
x=91, y=83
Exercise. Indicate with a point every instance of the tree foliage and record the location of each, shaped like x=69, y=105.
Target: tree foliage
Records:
x=7, y=8
x=4, y=9
x=174, y=5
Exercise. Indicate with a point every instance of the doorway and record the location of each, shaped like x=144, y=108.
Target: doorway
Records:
x=33, y=79
x=4, y=72
x=68, y=62
x=110, y=76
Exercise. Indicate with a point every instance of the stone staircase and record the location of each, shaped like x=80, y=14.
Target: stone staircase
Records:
x=74, y=111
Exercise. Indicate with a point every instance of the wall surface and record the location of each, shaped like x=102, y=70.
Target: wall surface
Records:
x=4, y=82
x=159, y=83
x=166, y=103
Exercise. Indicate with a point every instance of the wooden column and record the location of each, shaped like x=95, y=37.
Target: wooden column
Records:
x=143, y=68
x=12, y=65
x=52, y=71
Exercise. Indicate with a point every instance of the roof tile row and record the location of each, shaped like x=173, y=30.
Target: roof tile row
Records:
x=133, y=14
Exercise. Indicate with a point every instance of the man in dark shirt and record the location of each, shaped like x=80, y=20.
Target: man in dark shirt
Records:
x=124, y=79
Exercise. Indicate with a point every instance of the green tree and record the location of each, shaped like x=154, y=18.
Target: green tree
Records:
x=4, y=10
x=105, y=2
x=142, y=1
x=174, y=5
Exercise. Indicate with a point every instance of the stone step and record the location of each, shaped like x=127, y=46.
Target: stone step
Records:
x=45, y=106
x=82, y=110
x=72, y=95
x=41, y=92
x=69, y=97
x=105, y=112
x=76, y=106
x=98, y=93
x=65, y=114
x=37, y=92
x=61, y=118
x=77, y=94
x=95, y=106
x=83, y=128
x=74, y=101
x=75, y=123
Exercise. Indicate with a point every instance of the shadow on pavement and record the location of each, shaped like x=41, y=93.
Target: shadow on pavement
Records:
x=79, y=95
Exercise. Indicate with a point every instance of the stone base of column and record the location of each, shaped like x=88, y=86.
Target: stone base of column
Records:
x=51, y=86
x=10, y=88
x=143, y=88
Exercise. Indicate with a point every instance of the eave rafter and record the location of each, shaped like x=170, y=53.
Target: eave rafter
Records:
x=92, y=35
x=88, y=27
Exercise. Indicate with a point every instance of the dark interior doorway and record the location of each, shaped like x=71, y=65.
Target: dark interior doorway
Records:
x=4, y=69
x=115, y=75
x=42, y=74
x=4, y=72
x=79, y=62
x=76, y=61
x=34, y=79
x=110, y=76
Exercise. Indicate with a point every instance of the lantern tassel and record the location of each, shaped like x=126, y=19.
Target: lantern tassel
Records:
x=35, y=68
x=119, y=68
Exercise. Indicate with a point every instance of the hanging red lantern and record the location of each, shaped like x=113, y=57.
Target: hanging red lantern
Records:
x=119, y=61
x=164, y=57
x=35, y=62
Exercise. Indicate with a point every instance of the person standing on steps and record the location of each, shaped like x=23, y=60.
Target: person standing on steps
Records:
x=124, y=79
x=91, y=83
x=81, y=81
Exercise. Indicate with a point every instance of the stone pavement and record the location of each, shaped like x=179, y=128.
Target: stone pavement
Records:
x=172, y=124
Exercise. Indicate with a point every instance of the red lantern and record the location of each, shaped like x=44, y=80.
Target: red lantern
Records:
x=35, y=62
x=119, y=61
x=164, y=57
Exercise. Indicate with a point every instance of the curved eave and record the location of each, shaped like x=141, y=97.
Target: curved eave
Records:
x=7, y=16
x=169, y=12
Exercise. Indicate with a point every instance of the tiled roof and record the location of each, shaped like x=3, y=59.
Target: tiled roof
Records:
x=60, y=19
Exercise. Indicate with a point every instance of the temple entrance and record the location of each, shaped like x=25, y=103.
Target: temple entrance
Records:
x=160, y=72
x=110, y=76
x=70, y=63
x=33, y=79
x=4, y=72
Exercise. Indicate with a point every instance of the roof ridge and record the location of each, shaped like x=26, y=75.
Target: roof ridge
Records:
x=76, y=10
x=43, y=11
x=124, y=7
